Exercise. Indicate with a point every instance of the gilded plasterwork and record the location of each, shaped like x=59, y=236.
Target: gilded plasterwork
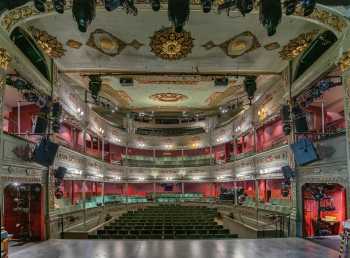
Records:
x=324, y=17
x=109, y=44
x=272, y=46
x=297, y=45
x=5, y=59
x=74, y=44
x=170, y=45
x=233, y=89
x=168, y=97
x=120, y=95
x=236, y=46
x=344, y=62
x=48, y=43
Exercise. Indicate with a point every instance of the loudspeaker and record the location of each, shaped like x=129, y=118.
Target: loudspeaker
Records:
x=221, y=82
x=40, y=125
x=45, y=152
x=300, y=120
x=126, y=82
x=304, y=152
x=60, y=172
x=288, y=173
x=285, y=113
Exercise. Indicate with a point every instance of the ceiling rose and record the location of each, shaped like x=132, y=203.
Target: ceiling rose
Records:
x=170, y=45
x=168, y=97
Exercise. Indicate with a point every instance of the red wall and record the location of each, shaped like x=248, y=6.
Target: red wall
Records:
x=269, y=134
x=26, y=114
x=207, y=189
x=310, y=209
x=35, y=216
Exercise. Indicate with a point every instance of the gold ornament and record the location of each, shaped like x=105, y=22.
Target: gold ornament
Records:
x=168, y=97
x=344, y=62
x=109, y=44
x=73, y=44
x=49, y=44
x=297, y=45
x=5, y=59
x=170, y=45
x=324, y=17
x=237, y=45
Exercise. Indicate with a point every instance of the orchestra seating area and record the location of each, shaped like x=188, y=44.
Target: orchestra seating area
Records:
x=165, y=222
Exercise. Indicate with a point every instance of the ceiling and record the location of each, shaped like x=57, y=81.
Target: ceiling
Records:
x=203, y=28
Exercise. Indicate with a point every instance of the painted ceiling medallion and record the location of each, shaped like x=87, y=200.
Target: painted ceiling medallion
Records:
x=168, y=97
x=170, y=45
x=109, y=44
x=5, y=59
x=236, y=46
x=297, y=45
x=49, y=44
x=73, y=44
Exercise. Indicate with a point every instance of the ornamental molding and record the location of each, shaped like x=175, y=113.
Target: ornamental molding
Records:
x=170, y=45
x=48, y=43
x=344, y=62
x=298, y=45
x=168, y=97
x=5, y=59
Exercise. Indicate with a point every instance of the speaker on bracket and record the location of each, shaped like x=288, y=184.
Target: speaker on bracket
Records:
x=45, y=152
x=300, y=121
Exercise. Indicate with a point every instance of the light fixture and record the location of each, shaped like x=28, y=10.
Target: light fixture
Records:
x=111, y=5
x=170, y=178
x=40, y=5
x=206, y=5
x=59, y=5
x=15, y=184
x=168, y=146
x=270, y=15
x=196, y=178
x=141, y=144
x=155, y=5
x=141, y=178
x=84, y=12
x=178, y=12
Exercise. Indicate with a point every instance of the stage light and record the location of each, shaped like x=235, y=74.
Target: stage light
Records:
x=309, y=6
x=250, y=87
x=206, y=5
x=290, y=6
x=155, y=5
x=59, y=5
x=245, y=6
x=95, y=85
x=40, y=5
x=111, y=5
x=178, y=13
x=84, y=12
x=270, y=15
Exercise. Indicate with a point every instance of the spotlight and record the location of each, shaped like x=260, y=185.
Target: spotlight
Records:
x=309, y=6
x=290, y=6
x=155, y=5
x=250, y=87
x=40, y=5
x=245, y=6
x=111, y=5
x=206, y=5
x=178, y=12
x=84, y=12
x=59, y=5
x=270, y=15
x=95, y=86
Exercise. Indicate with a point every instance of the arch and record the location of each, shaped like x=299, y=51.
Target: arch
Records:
x=28, y=47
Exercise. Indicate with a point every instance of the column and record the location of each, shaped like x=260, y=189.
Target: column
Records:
x=346, y=85
x=2, y=90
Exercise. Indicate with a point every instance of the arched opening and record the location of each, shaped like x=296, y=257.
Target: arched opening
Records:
x=23, y=211
x=324, y=209
x=28, y=47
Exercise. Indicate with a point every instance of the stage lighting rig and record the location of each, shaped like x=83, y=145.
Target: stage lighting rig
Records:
x=206, y=5
x=155, y=4
x=290, y=6
x=250, y=87
x=245, y=6
x=59, y=5
x=178, y=12
x=40, y=5
x=111, y=5
x=270, y=15
x=84, y=12
x=309, y=6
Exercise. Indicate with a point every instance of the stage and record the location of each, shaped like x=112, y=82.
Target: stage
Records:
x=237, y=248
